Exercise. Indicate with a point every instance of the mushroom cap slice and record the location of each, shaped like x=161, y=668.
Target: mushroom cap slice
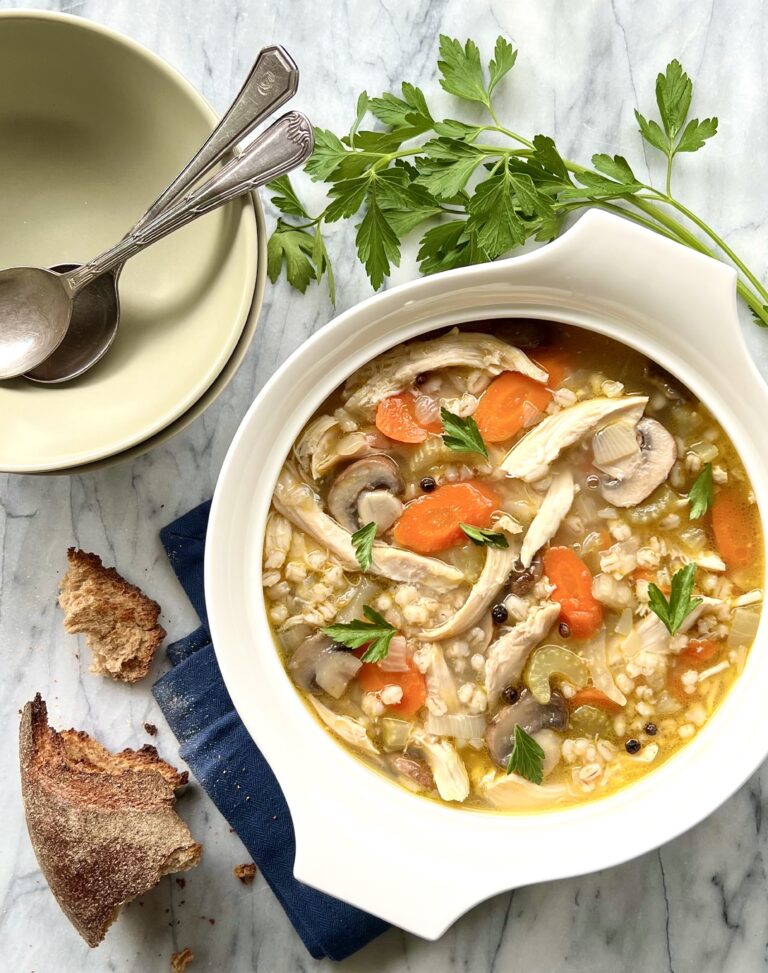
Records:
x=317, y=664
x=530, y=715
x=645, y=470
x=364, y=476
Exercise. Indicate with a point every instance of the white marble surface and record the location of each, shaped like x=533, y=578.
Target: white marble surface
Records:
x=699, y=903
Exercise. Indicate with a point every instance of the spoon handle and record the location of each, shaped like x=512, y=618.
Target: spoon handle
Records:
x=286, y=144
x=273, y=80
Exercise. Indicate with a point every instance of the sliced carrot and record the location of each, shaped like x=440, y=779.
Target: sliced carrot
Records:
x=432, y=523
x=699, y=652
x=510, y=403
x=590, y=696
x=734, y=522
x=572, y=579
x=414, y=687
x=396, y=418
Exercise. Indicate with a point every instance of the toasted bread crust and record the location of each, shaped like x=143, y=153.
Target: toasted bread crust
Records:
x=117, y=618
x=102, y=825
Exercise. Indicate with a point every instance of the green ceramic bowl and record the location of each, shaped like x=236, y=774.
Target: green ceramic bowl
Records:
x=93, y=127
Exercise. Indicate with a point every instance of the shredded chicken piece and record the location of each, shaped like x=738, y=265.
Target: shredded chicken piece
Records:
x=296, y=501
x=277, y=541
x=394, y=371
x=349, y=729
x=451, y=778
x=529, y=459
x=498, y=564
x=545, y=524
x=512, y=791
x=508, y=654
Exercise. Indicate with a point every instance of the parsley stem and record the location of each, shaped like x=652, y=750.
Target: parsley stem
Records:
x=669, y=174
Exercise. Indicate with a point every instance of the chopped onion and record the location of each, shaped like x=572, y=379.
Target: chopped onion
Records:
x=396, y=660
x=744, y=626
x=649, y=635
x=595, y=655
x=461, y=726
x=334, y=672
x=624, y=624
x=705, y=451
x=362, y=594
x=427, y=410
x=693, y=538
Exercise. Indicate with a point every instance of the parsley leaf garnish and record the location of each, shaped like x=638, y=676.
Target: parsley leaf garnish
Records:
x=473, y=198
x=700, y=496
x=527, y=757
x=376, y=630
x=680, y=605
x=484, y=537
x=462, y=434
x=362, y=541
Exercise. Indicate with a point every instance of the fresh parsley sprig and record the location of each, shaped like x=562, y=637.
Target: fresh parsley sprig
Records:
x=475, y=191
x=673, y=612
x=377, y=631
x=462, y=434
x=362, y=541
x=700, y=496
x=527, y=757
x=484, y=537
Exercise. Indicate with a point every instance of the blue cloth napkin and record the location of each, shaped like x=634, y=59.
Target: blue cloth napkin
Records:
x=228, y=764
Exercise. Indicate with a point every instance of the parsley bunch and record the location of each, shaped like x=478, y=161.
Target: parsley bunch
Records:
x=477, y=191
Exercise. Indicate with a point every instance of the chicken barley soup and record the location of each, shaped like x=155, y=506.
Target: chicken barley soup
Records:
x=513, y=566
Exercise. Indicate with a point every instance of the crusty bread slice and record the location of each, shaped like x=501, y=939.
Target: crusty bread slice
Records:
x=102, y=825
x=117, y=618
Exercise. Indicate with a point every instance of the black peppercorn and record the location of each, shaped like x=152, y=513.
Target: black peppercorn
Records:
x=564, y=629
x=428, y=484
x=632, y=746
x=421, y=378
x=510, y=695
x=651, y=729
x=499, y=614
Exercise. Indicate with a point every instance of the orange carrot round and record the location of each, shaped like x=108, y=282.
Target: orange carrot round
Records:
x=572, y=579
x=373, y=679
x=432, y=523
x=555, y=363
x=699, y=652
x=591, y=696
x=396, y=419
x=510, y=403
x=734, y=523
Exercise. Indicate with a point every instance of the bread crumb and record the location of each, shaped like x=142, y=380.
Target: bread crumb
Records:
x=118, y=620
x=151, y=729
x=180, y=961
x=246, y=873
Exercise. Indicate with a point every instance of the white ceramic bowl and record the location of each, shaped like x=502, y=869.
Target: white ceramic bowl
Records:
x=428, y=863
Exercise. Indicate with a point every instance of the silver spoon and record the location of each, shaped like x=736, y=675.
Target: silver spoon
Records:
x=36, y=304
x=273, y=80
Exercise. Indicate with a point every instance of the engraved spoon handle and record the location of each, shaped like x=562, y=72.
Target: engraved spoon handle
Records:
x=273, y=80
x=286, y=144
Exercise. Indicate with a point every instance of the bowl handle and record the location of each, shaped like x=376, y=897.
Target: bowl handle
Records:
x=668, y=294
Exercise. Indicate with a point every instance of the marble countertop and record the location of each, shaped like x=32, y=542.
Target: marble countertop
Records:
x=698, y=903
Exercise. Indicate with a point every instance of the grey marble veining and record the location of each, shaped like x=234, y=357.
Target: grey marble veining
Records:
x=699, y=903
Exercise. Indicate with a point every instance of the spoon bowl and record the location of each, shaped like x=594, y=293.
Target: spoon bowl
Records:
x=35, y=310
x=92, y=330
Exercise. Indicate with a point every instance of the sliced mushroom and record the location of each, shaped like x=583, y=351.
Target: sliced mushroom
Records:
x=521, y=579
x=353, y=486
x=636, y=477
x=417, y=771
x=380, y=507
x=317, y=664
x=530, y=716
